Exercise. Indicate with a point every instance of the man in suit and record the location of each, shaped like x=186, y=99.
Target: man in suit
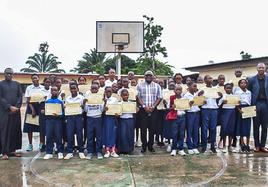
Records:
x=258, y=85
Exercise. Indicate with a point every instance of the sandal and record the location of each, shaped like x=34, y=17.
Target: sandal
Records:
x=4, y=157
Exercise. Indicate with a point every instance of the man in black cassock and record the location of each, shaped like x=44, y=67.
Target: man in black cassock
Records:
x=10, y=118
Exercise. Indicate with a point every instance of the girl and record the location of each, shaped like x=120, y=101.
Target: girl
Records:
x=227, y=120
x=243, y=125
x=54, y=127
x=34, y=110
x=126, y=128
x=109, y=126
x=178, y=125
x=74, y=124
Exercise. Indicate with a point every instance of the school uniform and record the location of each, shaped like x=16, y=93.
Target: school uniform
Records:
x=94, y=127
x=209, y=115
x=227, y=118
x=177, y=127
x=74, y=125
x=42, y=117
x=28, y=128
x=243, y=125
x=110, y=126
x=167, y=133
x=192, y=123
x=126, y=133
x=54, y=129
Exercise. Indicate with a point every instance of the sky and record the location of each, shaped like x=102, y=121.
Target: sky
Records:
x=195, y=32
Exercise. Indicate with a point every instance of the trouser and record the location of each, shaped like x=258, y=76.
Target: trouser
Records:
x=192, y=126
x=54, y=132
x=178, y=129
x=94, y=127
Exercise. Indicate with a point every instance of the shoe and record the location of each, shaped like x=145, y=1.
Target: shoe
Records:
x=89, y=156
x=107, y=154
x=48, y=156
x=168, y=148
x=143, y=150
x=29, y=147
x=136, y=144
x=68, y=156
x=60, y=156
x=213, y=150
x=243, y=149
x=5, y=157
x=257, y=150
x=264, y=150
x=173, y=152
x=43, y=148
x=82, y=156
x=190, y=152
x=40, y=146
x=248, y=148
x=196, y=151
x=151, y=150
x=203, y=150
x=160, y=144
x=113, y=154
x=182, y=153
x=232, y=150
x=224, y=150
x=99, y=156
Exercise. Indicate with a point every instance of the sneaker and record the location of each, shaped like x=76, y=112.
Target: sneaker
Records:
x=233, y=150
x=139, y=143
x=173, y=153
x=40, y=146
x=68, y=156
x=168, y=148
x=107, y=154
x=82, y=156
x=43, y=149
x=89, y=156
x=136, y=144
x=203, y=150
x=213, y=150
x=182, y=153
x=99, y=156
x=29, y=147
x=190, y=152
x=224, y=150
x=196, y=151
x=48, y=156
x=60, y=156
x=113, y=154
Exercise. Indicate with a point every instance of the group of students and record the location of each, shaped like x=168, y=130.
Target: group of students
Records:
x=115, y=133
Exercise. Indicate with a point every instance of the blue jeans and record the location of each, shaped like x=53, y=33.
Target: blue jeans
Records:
x=74, y=126
x=94, y=125
x=53, y=132
x=178, y=128
x=209, y=121
x=192, y=121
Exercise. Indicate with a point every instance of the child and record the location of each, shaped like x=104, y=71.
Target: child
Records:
x=74, y=124
x=227, y=119
x=94, y=125
x=178, y=125
x=109, y=126
x=243, y=125
x=126, y=128
x=54, y=127
x=192, y=120
x=209, y=118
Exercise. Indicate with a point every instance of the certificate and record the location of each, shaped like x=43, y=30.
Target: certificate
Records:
x=53, y=108
x=129, y=107
x=199, y=100
x=95, y=99
x=32, y=120
x=167, y=94
x=211, y=92
x=221, y=89
x=118, y=97
x=114, y=108
x=132, y=94
x=65, y=88
x=232, y=99
x=84, y=88
x=184, y=88
x=200, y=86
x=182, y=104
x=37, y=97
x=249, y=112
x=101, y=91
x=72, y=109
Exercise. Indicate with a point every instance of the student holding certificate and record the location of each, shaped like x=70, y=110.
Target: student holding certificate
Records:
x=33, y=110
x=126, y=128
x=243, y=125
x=54, y=124
x=74, y=121
x=109, y=126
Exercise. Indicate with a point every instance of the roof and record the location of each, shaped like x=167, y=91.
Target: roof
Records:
x=254, y=60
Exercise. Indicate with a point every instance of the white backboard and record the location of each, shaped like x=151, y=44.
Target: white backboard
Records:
x=113, y=34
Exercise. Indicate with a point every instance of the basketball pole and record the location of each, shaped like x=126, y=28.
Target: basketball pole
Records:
x=118, y=66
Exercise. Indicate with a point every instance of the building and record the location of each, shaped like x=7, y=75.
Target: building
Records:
x=248, y=68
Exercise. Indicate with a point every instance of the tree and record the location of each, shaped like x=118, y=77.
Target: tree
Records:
x=43, y=62
x=245, y=56
x=92, y=62
x=127, y=64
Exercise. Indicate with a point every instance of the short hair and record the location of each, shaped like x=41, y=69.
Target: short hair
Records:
x=34, y=75
x=228, y=84
x=107, y=87
x=239, y=82
x=124, y=91
x=45, y=79
x=82, y=77
x=73, y=84
x=101, y=75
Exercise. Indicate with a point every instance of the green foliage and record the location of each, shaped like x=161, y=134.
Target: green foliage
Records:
x=127, y=64
x=42, y=62
x=245, y=56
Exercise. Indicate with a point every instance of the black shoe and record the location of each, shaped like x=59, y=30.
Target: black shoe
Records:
x=143, y=150
x=243, y=148
x=248, y=148
x=43, y=149
x=213, y=150
x=151, y=150
x=203, y=150
x=160, y=144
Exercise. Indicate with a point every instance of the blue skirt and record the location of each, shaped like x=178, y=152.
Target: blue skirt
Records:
x=28, y=128
x=109, y=131
x=243, y=126
x=126, y=135
x=227, y=122
x=167, y=126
